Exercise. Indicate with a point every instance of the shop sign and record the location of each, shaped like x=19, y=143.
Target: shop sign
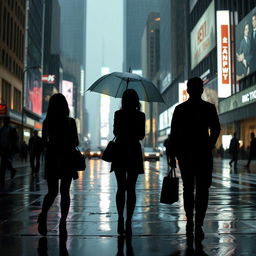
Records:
x=249, y=96
x=49, y=79
x=238, y=100
x=30, y=121
x=202, y=37
x=3, y=109
x=15, y=115
x=223, y=51
x=38, y=125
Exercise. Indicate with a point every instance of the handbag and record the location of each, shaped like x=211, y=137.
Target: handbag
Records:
x=78, y=160
x=110, y=151
x=170, y=188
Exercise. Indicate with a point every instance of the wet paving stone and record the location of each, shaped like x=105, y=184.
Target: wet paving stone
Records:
x=230, y=223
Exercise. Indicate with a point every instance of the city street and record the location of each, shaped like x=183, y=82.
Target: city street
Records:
x=158, y=229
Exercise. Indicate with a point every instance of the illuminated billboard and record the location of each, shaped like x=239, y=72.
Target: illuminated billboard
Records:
x=183, y=94
x=246, y=45
x=67, y=91
x=33, y=91
x=202, y=37
x=223, y=51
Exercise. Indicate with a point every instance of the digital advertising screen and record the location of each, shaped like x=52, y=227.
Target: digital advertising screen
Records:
x=246, y=45
x=67, y=90
x=33, y=92
x=202, y=37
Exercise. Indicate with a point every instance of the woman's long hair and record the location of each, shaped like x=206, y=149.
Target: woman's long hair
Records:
x=57, y=110
x=130, y=100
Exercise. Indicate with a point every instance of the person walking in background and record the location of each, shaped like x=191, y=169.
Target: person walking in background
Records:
x=129, y=129
x=192, y=145
x=35, y=148
x=252, y=150
x=166, y=145
x=8, y=148
x=233, y=150
x=60, y=139
x=23, y=151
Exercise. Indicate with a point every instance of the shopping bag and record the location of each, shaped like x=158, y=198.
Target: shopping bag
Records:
x=170, y=188
x=78, y=160
x=110, y=151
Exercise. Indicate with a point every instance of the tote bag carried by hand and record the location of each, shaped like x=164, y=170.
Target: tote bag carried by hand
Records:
x=78, y=160
x=110, y=151
x=170, y=188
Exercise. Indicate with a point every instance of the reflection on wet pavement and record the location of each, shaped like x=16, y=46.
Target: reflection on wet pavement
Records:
x=158, y=229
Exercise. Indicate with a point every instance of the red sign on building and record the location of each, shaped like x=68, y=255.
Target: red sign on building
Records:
x=49, y=79
x=225, y=54
x=3, y=109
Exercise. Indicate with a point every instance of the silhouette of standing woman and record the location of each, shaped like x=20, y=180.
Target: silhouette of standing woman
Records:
x=60, y=139
x=129, y=129
x=194, y=131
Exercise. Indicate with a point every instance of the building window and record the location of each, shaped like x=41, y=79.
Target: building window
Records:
x=17, y=100
x=6, y=93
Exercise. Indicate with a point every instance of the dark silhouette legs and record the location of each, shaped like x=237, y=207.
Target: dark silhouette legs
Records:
x=53, y=187
x=199, y=201
x=234, y=159
x=249, y=160
x=35, y=167
x=126, y=182
x=6, y=164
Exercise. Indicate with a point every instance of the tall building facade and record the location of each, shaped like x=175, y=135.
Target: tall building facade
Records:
x=173, y=61
x=135, y=17
x=32, y=95
x=72, y=44
x=150, y=59
x=12, y=36
x=52, y=66
x=211, y=34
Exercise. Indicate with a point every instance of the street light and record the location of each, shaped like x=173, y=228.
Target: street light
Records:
x=23, y=96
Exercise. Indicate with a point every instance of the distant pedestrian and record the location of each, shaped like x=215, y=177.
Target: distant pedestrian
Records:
x=252, y=150
x=35, y=147
x=8, y=148
x=167, y=150
x=233, y=150
x=23, y=151
x=129, y=129
x=195, y=129
x=60, y=139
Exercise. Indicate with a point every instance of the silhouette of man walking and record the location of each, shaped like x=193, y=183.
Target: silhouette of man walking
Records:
x=252, y=152
x=194, y=131
x=233, y=150
x=35, y=146
x=8, y=147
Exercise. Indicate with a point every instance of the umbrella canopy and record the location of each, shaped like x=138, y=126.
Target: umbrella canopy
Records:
x=114, y=84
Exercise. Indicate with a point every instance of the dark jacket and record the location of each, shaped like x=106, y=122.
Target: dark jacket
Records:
x=190, y=140
x=253, y=147
x=60, y=140
x=234, y=146
x=35, y=145
x=129, y=129
x=8, y=141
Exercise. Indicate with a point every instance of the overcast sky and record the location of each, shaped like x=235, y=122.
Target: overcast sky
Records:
x=104, y=48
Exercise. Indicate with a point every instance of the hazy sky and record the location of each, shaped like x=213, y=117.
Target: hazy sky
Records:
x=104, y=48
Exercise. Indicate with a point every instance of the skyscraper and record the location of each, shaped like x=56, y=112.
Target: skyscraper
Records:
x=12, y=35
x=52, y=65
x=135, y=17
x=72, y=40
